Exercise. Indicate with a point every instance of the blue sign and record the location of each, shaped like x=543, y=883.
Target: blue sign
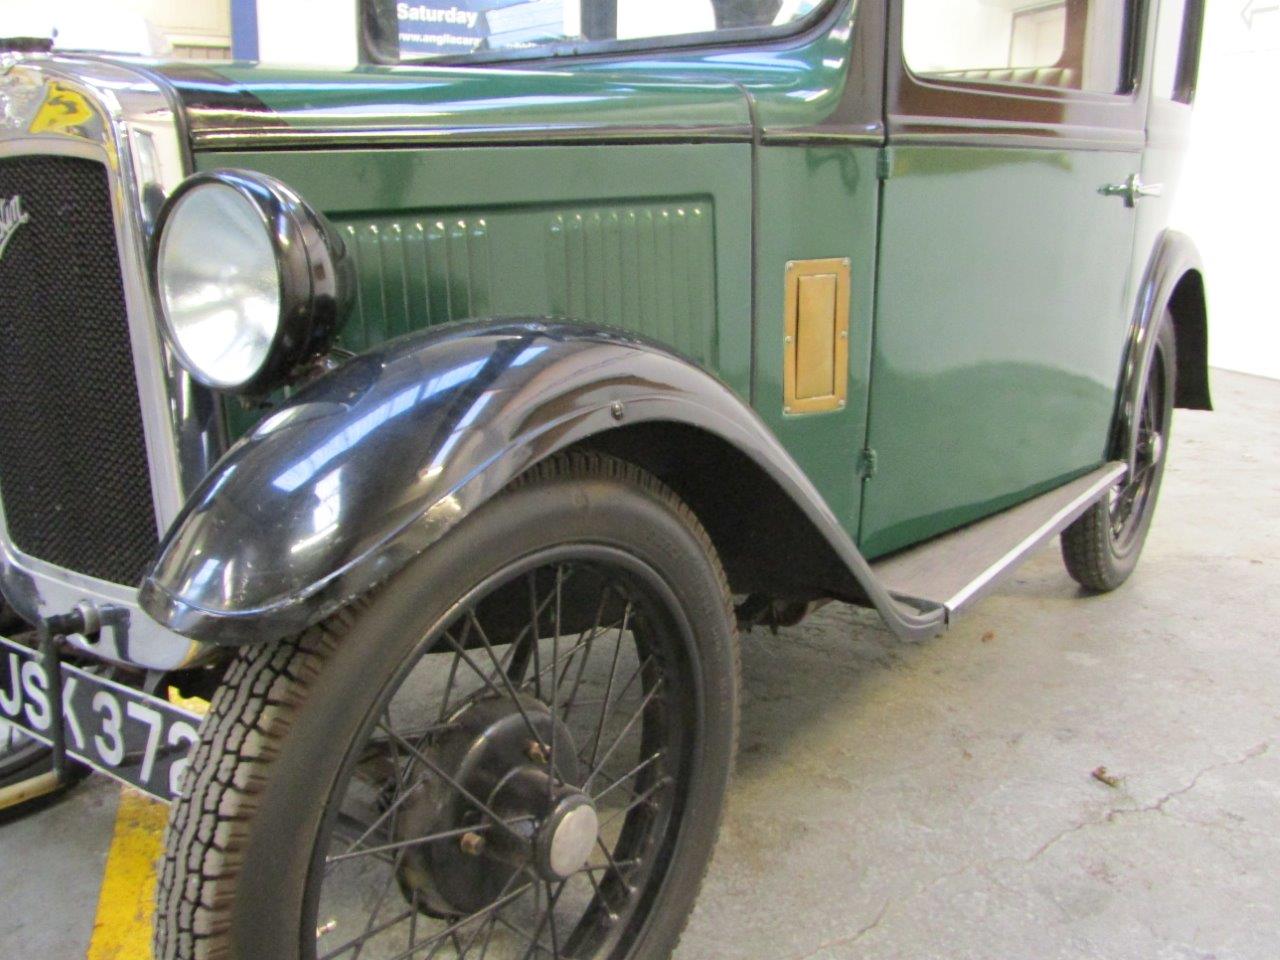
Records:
x=433, y=27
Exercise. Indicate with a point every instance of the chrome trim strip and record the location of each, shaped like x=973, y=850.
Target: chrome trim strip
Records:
x=235, y=138
x=1053, y=525
x=128, y=124
x=263, y=137
x=821, y=136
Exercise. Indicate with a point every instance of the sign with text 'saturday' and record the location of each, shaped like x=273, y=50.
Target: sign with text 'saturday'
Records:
x=464, y=26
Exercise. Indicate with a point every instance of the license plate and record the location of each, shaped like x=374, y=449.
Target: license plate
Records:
x=122, y=732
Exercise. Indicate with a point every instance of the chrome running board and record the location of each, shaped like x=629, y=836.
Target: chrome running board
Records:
x=955, y=569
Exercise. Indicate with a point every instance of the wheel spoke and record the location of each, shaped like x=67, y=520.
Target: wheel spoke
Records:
x=413, y=920
x=497, y=904
x=551, y=914
x=467, y=794
x=582, y=663
x=370, y=930
x=555, y=681
x=534, y=613
x=488, y=938
x=506, y=680
x=644, y=704
x=660, y=784
x=515, y=645
x=536, y=942
x=642, y=765
x=523, y=935
x=427, y=838
x=615, y=866
x=466, y=657
x=613, y=672
x=448, y=686
x=382, y=817
x=492, y=919
x=567, y=657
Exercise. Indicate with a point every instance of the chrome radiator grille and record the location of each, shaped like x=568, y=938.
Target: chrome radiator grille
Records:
x=74, y=480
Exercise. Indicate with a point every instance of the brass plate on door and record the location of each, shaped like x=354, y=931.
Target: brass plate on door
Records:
x=816, y=329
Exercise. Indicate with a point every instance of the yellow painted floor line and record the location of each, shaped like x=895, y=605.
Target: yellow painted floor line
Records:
x=122, y=928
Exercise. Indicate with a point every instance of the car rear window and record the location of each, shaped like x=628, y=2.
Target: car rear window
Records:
x=1069, y=44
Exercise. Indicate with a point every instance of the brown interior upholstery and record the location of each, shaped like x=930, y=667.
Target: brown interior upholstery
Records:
x=1064, y=77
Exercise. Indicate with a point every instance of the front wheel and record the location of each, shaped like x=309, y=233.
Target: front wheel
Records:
x=1102, y=547
x=519, y=747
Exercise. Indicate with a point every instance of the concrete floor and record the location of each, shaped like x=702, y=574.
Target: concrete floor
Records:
x=937, y=800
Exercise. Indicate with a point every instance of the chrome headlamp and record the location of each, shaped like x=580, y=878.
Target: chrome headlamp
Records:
x=249, y=279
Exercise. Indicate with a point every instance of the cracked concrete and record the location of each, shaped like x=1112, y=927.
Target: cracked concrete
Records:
x=936, y=800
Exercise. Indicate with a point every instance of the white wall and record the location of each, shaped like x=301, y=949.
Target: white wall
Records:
x=187, y=23
x=308, y=31
x=1229, y=201
x=951, y=35
x=151, y=27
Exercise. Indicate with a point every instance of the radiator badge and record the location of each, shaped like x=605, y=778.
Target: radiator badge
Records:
x=12, y=216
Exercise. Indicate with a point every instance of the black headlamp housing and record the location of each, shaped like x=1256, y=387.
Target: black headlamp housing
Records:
x=316, y=275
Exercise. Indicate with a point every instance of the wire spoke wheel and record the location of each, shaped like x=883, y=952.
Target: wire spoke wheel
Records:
x=1128, y=501
x=514, y=789
x=1101, y=548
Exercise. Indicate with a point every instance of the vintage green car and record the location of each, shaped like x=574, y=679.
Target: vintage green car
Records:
x=440, y=421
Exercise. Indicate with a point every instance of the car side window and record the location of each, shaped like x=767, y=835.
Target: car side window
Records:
x=1067, y=44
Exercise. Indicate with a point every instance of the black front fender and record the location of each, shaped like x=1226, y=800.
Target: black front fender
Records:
x=368, y=466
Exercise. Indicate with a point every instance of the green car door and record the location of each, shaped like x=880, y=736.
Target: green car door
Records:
x=1005, y=242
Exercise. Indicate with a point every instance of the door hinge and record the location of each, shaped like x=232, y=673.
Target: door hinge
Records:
x=867, y=463
x=884, y=164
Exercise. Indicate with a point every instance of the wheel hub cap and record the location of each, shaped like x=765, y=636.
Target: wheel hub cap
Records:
x=567, y=838
x=523, y=765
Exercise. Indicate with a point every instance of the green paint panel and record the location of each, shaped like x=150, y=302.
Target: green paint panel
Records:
x=446, y=233
x=414, y=273
x=1001, y=316
x=507, y=99
x=818, y=202
x=652, y=238
x=648, y=269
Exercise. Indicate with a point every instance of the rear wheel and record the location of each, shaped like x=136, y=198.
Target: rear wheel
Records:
x=1102, y=547
x=519, y=747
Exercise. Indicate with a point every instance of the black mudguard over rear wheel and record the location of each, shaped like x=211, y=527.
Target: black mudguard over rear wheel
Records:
x=518, y=747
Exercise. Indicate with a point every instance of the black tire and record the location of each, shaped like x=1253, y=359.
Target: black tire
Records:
x=289, y=737
x=1102, y=547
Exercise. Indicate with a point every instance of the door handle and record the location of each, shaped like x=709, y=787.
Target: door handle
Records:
x=1132, y=190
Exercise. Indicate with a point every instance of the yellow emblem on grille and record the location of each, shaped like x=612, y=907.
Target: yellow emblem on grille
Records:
x=62, y=111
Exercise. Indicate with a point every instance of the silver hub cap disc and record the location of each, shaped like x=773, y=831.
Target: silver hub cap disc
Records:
x=573, y=839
